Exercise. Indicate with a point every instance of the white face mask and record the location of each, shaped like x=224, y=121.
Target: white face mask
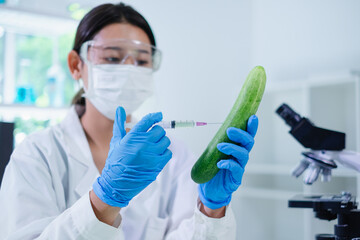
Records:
x=113, y=85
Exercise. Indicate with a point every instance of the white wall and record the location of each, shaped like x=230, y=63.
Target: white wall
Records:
x=298, y=38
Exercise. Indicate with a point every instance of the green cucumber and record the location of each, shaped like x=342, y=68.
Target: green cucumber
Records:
x=245, y=105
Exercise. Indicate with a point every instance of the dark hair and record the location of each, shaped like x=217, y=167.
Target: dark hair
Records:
x=102, y=16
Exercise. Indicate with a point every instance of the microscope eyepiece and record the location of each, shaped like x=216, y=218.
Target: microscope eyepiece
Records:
x=310, y=136
x=290, y=116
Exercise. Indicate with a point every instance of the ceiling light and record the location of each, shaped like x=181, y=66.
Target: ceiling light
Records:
x=72, y=7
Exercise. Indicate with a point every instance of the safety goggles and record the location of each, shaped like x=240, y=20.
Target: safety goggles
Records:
x=121, y=51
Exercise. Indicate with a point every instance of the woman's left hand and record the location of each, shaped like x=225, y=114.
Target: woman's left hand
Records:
x=217, y=192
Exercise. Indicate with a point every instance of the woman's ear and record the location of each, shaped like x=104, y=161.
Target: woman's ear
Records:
x=75, y=64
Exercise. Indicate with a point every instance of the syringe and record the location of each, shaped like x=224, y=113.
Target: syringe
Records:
x=176, y=124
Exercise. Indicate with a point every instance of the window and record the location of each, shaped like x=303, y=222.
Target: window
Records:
x=42, y=79
x=42, y=75
x=36, y=87
x=33, y=61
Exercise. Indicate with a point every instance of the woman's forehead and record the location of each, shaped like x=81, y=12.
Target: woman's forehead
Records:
x=123, y=31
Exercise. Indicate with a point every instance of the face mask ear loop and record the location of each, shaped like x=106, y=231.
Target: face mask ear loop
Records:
x=90, y=88
x=83, y=53
x=80, y=84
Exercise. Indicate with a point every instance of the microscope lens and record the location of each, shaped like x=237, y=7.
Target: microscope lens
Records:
x=290, y=116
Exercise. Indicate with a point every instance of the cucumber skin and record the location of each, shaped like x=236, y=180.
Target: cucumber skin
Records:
x=245, y=106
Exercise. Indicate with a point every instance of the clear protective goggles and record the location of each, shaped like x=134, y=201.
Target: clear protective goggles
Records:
x=121, y=51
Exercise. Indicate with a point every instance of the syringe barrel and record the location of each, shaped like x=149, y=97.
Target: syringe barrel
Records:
x=166, y=124
x=184, y=124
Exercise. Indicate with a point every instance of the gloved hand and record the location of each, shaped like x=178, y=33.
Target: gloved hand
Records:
x=134, y=160
x=217, y=192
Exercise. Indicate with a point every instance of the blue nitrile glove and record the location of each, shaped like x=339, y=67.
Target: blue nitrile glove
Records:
x=134, y=161
x=216, y=193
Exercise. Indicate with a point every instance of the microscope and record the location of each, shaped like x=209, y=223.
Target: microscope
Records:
x=326, y=149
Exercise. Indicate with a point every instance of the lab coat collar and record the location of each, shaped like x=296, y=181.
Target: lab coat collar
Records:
x=79, y=150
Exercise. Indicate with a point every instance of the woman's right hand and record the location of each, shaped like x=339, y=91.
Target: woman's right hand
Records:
x=134, y=161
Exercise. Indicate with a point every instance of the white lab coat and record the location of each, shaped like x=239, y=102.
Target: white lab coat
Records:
x=45, y=194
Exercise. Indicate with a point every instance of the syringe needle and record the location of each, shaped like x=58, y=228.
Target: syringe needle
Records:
x=199, y=124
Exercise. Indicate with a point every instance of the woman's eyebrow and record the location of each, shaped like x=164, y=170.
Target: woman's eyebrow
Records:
x=113, y=48
x=119, y=48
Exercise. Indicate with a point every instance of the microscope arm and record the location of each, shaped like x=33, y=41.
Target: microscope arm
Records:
x=349, y=159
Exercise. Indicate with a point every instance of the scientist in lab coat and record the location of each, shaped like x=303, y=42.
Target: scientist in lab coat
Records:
x=86, y=178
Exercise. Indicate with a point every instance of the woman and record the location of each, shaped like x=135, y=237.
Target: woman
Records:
x=86, y=178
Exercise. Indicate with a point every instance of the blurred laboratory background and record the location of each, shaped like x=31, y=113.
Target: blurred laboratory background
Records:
x=309, y=49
